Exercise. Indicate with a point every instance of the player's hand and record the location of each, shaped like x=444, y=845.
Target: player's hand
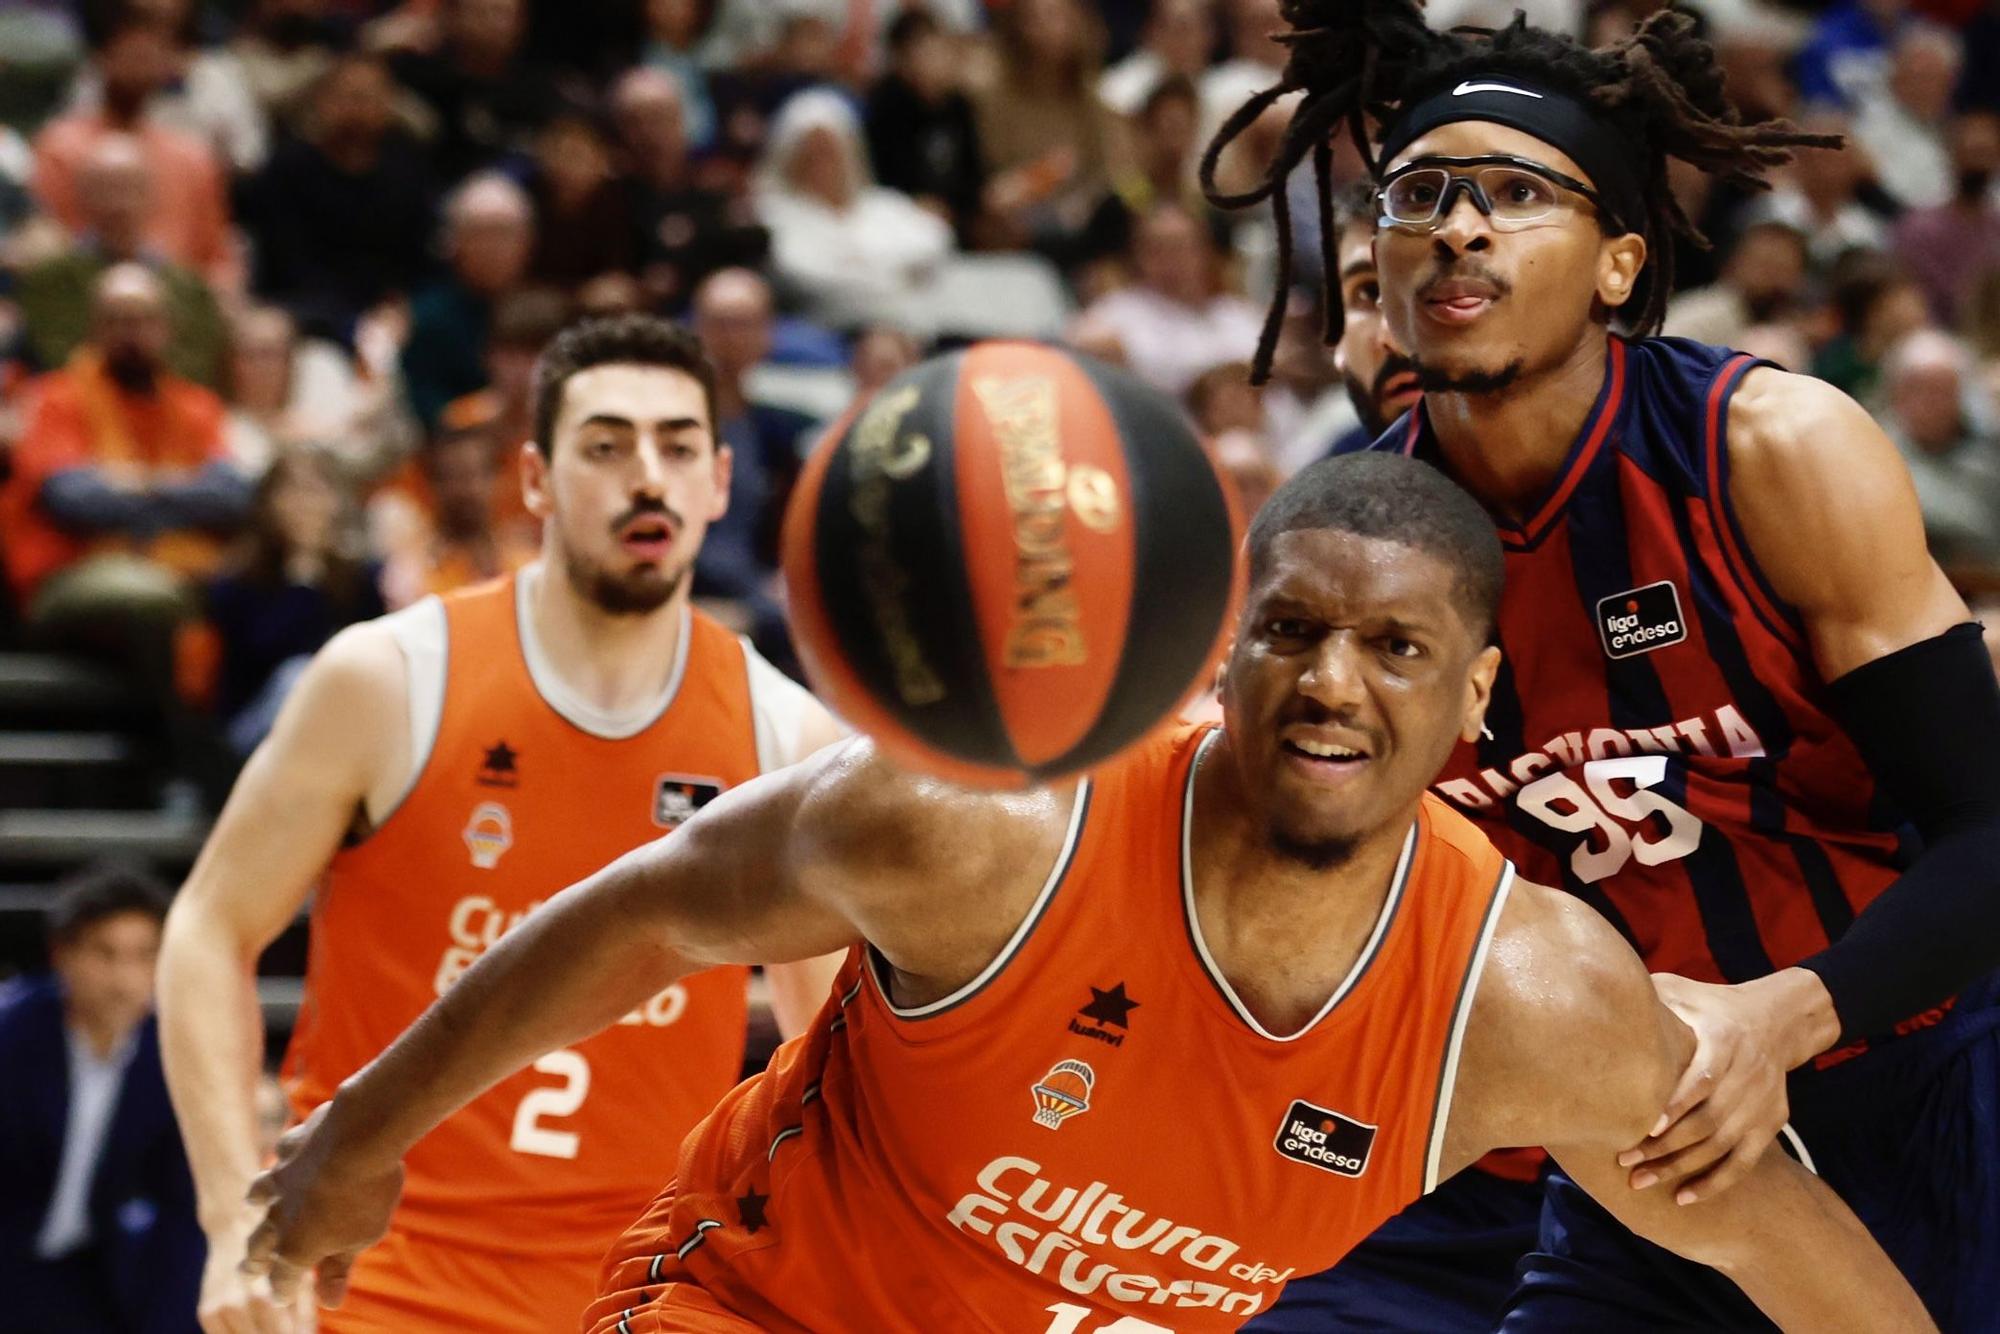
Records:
x=1730, y=1102
x=324, y=1203
x=234, y=1303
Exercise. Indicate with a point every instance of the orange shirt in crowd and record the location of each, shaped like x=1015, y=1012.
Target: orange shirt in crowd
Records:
x=79, y=417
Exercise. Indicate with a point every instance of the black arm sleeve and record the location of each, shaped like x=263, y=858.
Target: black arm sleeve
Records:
x=1927, y=721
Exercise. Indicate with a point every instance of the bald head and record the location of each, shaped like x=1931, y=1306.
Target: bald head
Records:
x=128, y=309
x=115, y=188
x=490, y=229
x=651, y=113
x=732, y=317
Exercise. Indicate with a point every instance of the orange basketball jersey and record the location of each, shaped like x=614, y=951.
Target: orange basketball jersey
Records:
x=1093, y=1134
x=514, y=801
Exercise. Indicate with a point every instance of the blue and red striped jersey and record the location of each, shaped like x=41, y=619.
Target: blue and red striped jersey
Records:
x=1658, y=741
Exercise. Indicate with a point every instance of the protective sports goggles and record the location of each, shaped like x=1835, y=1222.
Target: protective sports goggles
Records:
x=1512, y=192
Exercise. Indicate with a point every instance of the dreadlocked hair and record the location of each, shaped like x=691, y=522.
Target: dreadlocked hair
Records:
x=1358, y=62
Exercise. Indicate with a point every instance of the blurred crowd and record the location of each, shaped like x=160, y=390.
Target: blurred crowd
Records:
x=274, y=273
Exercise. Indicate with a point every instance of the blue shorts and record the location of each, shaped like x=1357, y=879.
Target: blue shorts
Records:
x=1444, y=1266
x=1907, y=1133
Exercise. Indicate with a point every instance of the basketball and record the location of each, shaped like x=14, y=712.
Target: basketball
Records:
x=1010, y=564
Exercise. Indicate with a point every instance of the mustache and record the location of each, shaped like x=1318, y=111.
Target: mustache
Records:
x=641, y=508
x=1463, y=269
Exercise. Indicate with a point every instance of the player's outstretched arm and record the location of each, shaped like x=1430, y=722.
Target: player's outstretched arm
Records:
x=1831, y=521
x=1567, y=1046
x=342, y=725
x=794, y=864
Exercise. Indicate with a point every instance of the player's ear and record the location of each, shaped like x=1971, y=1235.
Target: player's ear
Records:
x=533, y=467
x=1479, y=692
x=1619, y=260
x=725, y=465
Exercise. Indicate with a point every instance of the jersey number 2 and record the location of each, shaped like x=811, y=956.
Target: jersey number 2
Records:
x=1560, y=802
x=530, y=1135
x=1070, y=1317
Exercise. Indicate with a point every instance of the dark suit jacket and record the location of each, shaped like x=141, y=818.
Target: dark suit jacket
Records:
x=142, y=1268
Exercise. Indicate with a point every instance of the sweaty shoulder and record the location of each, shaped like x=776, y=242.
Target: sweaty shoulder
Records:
x=1567, y=1045
x=1831, y=518
x=936, y=876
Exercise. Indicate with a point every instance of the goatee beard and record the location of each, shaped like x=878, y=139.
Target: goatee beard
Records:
x=1436, y=380
x=1315, y=854
x=615, y=595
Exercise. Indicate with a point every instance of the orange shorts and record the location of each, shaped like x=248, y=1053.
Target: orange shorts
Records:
x=403, y=1285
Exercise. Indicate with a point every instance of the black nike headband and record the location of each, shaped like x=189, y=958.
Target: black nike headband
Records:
x=1609, y=157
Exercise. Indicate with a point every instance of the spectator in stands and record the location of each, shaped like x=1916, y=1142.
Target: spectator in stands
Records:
x=209, y=96
x=1256, y=61
x=1306, y=405
x=286, y=391
x=97, y=1215
x=288, y=590
x=881, y=353
x=1950, y=248
x=489, y=234
x=922, y=136
x=342, y=215
x=523, y=324
x=1762, y=280
x=1222, y=399
x=464, y=537
x=115, y=193
x=121, y=483
x=1900, y=124
x=488, y=94
x=284, y=47
x=1176, y=322
x=675, y=46
x=1050, y=143
x=732, y=317
x=802, y=54
x=1876, y=305
x=1944, y=425
x=851, y=251
x=1246, y=461
x=1820, y=196
x=1160, y=169
x=1847, y=50
x=686, y=230
x=1178, y=39
x=582, y=213
x=189, y=216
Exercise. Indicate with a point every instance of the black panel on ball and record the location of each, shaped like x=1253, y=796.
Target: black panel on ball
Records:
x=895, y=592
x=1183, y=561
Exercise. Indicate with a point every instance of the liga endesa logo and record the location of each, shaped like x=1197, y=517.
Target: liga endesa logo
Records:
x=1640, y=620
x=1325, y=1139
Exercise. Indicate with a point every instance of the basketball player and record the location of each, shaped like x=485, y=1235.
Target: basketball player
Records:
x=1445, y=1264
x=1120, y=1055
x=1731, y=667
x=439, y=773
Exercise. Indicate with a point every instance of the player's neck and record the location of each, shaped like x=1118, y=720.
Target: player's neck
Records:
x=1283, y=933
x=1507, y=447
x=613, y=663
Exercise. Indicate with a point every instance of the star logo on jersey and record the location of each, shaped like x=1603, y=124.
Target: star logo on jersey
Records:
x=676, y=797
x=488, y=834
x=1107, y=1010
x=1641, y=620
x=1323, y=1138
x=1063, y=1092
x=750, y=1208
x=498, y=769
